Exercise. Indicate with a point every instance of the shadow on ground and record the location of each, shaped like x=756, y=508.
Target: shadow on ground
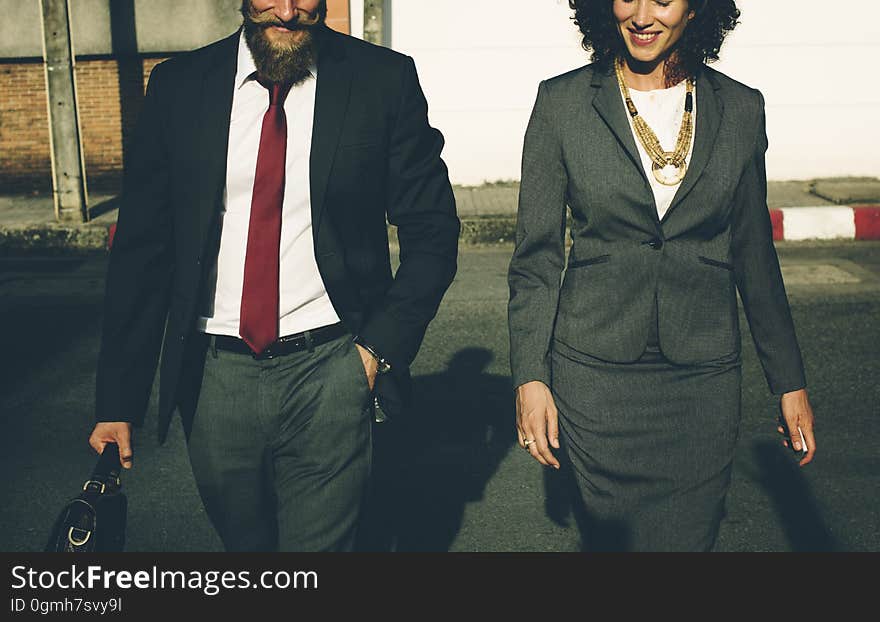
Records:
x=428, y=468
x=793, y=502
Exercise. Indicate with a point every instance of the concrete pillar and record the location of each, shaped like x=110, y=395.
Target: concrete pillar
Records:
x=374, y=21
x=68, y=169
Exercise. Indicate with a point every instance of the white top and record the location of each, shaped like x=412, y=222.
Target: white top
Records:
x=663, y=110
x=303, y=300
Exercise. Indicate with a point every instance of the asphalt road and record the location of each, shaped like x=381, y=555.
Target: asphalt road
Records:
x=465, y=485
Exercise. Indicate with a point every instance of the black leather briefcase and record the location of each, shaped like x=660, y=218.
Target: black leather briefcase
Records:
x=94, y=521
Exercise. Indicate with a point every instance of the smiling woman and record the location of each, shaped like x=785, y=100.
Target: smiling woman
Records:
x=627, y=360
x=695, y=28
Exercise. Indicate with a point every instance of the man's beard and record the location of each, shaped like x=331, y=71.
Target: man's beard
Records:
x=281, y=62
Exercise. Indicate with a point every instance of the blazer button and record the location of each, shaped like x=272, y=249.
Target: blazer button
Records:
x=656, y=244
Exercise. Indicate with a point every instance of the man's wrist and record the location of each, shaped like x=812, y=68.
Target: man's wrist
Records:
x=382, y=365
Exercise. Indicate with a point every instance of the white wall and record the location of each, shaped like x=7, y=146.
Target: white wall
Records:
x=480, y=62
x=356, y=16
x=814, y=62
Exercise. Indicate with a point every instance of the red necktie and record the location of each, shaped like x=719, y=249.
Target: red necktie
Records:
x=258, y=323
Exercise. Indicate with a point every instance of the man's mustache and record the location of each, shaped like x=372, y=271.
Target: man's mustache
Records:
x=301, y=19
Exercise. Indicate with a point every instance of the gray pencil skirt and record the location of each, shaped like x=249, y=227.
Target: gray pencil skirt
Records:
x=647, y=447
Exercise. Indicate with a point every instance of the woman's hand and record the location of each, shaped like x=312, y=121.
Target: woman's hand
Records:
x=537, y=422
x=796, y=412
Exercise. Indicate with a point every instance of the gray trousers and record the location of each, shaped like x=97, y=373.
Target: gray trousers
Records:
x=281, y=448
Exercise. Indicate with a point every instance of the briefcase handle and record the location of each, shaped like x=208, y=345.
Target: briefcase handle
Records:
x=108, y=464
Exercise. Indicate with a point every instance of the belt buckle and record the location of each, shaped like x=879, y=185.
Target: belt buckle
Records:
x=300, y=341
x=265, y=355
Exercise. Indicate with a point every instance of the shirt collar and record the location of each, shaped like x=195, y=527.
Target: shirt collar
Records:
x=246, y=70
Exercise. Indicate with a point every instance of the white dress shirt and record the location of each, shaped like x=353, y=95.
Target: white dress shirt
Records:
x=303, y=300
x=662, y=110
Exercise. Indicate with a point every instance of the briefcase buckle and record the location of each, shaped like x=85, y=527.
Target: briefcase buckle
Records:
x=94, y=481
x=78, y=542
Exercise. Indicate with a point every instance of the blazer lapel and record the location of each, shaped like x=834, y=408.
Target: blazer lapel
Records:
x=212, y=136
x=710, y=109
x=331, y=104
x=608, y=102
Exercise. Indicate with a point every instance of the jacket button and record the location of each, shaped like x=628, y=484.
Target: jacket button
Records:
x=656, y=244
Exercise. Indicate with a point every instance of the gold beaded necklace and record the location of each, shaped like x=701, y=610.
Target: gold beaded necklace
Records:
x=662, y=160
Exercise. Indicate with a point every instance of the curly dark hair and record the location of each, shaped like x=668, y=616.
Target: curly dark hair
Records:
x=699, y=44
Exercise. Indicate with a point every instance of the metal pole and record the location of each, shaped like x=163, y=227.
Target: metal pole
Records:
x=374, y=21
x=68, y=178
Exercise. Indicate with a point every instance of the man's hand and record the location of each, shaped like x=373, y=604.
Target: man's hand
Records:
x=797, y=413
x=537, y=422
x=118, y=432
x=371, y=365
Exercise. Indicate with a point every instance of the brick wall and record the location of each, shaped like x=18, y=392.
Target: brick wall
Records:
x=24, y=129
x=337, y=15
x=110, y=93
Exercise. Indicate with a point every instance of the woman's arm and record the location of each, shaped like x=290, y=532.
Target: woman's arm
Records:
x=539, y=257
x=759, y=281
x=759, y=278
x=534, y=279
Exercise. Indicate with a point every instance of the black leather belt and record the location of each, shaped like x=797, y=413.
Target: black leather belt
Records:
x=284, y=345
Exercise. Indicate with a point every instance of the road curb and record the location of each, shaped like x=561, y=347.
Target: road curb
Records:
x=834, y=222
x=54, y=238
x=838, y=222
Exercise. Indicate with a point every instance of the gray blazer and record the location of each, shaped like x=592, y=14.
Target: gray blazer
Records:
x=715, y=238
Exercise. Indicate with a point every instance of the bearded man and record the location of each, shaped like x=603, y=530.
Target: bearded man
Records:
x=252, y=229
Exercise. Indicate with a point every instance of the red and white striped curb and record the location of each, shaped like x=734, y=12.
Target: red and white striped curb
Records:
x=835, y=222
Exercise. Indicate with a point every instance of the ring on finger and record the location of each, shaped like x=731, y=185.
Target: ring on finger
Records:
x=528, y=442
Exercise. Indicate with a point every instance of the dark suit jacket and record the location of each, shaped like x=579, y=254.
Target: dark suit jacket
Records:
x=373, y=155
x=715, y=238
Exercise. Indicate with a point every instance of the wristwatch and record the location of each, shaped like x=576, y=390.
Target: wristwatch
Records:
x=383, y=366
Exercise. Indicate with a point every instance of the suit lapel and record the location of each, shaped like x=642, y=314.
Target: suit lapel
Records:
x=609, y=104
x=710, y=109
x=331, y=104
x=212, y=136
